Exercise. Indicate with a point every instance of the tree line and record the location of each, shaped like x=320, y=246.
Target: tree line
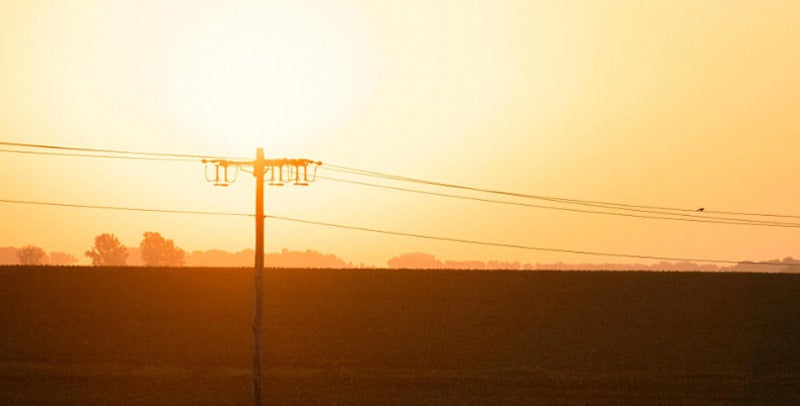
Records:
x=109, y=251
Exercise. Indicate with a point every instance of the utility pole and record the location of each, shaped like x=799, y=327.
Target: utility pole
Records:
x=281, y=171
x=258, y=308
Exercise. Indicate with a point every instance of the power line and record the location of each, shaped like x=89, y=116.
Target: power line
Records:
x=362, y=172
x=611, y=205
x=699, y=219
x=399, y=233
x=524, y=247
x=702, y=219
x=79, y=155
x=88, y=206
x=111, y=151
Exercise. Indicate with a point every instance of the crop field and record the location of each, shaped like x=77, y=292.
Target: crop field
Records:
x=76, y=336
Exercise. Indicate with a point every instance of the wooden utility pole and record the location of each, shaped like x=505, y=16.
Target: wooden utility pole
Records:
x=282, y=171
x=259, y=166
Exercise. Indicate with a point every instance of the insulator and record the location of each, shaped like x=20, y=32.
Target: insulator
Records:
x=221, y=176
x=275, y=179
x=231, y=178
x=313, y=176
x=297, y=178
x=289, y=172
x=211, y=179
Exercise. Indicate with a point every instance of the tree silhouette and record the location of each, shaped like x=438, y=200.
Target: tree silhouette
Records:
x=107, y=251
x=62, y=258
x=157, y=251
x=30, y=255
x=415, y=260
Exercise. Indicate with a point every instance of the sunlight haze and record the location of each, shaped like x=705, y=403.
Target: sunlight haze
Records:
x=683, y=104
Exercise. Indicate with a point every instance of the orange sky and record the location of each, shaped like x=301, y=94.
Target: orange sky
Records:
x=681, y=103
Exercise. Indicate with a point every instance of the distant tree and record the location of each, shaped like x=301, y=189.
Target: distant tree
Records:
x=158, y=251
x=304, y=259
x=30, y=255
x=62, y=258
x=415, y=260
x=107, y=251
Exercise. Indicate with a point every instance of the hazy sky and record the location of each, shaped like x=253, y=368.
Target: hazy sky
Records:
x=674, y=103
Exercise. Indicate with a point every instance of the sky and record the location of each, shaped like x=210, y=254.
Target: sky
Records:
x=677, y=103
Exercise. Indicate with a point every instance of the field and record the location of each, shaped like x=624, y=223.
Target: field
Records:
x=183, y=336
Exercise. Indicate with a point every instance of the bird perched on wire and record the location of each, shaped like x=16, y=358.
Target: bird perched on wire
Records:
x=701, y=209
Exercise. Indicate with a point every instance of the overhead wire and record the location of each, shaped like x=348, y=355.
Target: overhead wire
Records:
x=403, y=234
x=123, y=208
x=112, y=151
x=698, y=219
x=675, y=214
x=618, y=206
x=106, y=156
x=525, y=247
x=363, y=172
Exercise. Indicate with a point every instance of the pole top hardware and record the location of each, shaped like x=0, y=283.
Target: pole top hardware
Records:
x=281, y=171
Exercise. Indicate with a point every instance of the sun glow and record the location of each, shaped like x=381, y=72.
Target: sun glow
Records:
x=678, y=104
x=279, y=76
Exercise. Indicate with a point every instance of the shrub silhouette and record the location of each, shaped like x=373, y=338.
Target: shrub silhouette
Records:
x=107, y=251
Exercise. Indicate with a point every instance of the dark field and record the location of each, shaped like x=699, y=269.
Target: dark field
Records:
x=183, y=336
